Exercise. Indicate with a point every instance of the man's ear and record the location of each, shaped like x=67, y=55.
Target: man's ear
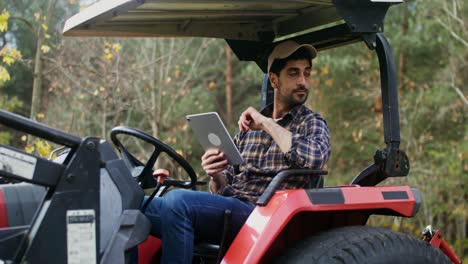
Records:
x=273, y=80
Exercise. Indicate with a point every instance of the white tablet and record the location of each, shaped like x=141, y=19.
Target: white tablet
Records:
x=212, y=134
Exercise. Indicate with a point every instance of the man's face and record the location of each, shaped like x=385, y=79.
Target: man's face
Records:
x=292, y=84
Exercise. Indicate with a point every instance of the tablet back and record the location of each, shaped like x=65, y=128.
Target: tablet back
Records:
x=212, y=134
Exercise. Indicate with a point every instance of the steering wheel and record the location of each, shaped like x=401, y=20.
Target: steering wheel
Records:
x=144, y=172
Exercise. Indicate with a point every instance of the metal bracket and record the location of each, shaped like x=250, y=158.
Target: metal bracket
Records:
x=370, y=40
x=390, y=162
x=267, y=92
x=363, y=16
x=77, y=189
x=397, y=163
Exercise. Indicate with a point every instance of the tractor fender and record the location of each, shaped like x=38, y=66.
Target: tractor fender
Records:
x=292, y=215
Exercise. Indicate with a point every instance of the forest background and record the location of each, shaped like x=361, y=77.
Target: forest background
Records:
x=87, y=86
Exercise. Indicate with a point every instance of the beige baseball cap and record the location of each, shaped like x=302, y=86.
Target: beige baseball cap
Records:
x=286, y=48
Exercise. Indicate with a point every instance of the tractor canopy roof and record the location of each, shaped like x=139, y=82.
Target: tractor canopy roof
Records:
x=249, y=26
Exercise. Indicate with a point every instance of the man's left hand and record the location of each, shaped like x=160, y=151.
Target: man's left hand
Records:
x=251, y=119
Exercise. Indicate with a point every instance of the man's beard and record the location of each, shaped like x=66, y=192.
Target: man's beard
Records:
x=293, y=99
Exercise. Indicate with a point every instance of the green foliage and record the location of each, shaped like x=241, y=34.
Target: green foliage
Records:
x=10, y=104
x=5, y=138
x=152, y=84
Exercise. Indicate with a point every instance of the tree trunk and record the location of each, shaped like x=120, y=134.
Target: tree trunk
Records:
x=104, y=119
x=228, y=85
x=155, y=95
x=402, y=61
x=461, y=235
x=37, y=83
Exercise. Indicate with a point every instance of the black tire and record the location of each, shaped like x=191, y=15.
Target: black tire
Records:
x=362, y=244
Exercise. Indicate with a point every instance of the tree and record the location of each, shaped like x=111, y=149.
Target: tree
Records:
x=40, y=49
x=9, y=56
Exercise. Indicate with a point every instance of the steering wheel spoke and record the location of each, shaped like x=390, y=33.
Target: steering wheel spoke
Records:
x=128, y=158
x=144, y=176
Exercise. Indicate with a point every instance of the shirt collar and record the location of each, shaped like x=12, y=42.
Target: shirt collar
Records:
x=293, y=114
x=295, y=111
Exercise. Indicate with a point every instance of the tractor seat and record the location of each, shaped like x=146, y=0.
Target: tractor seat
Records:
x=316, y=182
x=206, y=251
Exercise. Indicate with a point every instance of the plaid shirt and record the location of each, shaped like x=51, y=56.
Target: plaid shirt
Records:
x=263, y=158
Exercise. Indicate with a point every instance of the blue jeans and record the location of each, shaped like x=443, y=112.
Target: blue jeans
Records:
x=183, y=217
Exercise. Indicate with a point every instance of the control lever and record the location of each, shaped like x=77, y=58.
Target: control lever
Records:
x=160, y=176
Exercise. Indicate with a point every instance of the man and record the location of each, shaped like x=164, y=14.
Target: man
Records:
x=284, y=135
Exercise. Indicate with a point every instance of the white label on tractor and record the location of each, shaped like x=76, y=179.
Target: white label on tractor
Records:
x=81, y=236
x=17, y=163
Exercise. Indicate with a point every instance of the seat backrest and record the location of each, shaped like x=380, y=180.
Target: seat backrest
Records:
x=315, y=182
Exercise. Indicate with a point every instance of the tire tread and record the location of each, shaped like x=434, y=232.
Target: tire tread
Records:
x=362, y=244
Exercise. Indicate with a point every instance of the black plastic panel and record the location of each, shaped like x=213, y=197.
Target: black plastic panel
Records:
x=44, y=172
x=326, y=196
x=77, y=190
x=132, y=194
x=397, y=195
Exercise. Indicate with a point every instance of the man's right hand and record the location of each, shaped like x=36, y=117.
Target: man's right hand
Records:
x=213, y=163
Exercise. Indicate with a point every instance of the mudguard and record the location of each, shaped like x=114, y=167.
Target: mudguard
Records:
x=295, y=214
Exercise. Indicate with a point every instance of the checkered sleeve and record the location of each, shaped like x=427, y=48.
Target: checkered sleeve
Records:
x=229, y=172
x=311, y=147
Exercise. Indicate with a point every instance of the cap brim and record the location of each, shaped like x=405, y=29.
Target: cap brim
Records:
x=286, y=53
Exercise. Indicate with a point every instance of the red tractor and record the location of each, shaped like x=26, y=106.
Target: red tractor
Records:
x=84, y=206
